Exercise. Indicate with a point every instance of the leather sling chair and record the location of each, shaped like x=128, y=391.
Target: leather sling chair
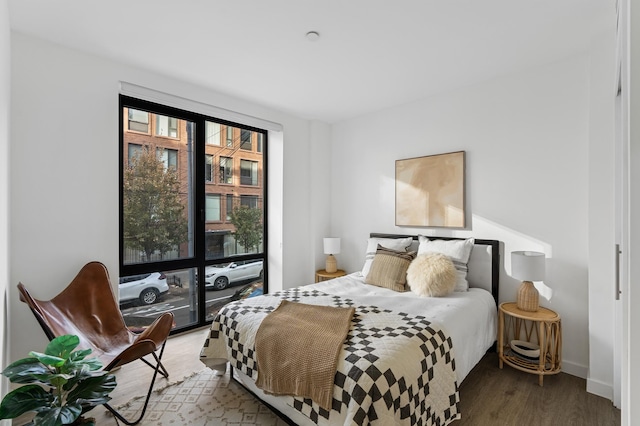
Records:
x=87, y=308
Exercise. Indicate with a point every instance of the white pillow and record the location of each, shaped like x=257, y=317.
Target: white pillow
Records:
x=457, y=250
x=390, y=243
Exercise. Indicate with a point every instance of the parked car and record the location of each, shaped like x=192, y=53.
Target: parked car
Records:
x=220, y=277
x=250, y=290
x=145, y=288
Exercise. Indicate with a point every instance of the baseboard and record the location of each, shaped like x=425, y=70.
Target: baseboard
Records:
x=574, y=369
x=595, y=387
x=599, y=388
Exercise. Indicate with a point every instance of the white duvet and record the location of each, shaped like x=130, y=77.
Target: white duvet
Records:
x=469, y=318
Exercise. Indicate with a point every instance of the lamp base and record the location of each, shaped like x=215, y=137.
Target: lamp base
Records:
x=528, y=297
x=331, y=265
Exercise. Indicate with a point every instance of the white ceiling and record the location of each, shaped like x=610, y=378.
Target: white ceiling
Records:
x=371, y=54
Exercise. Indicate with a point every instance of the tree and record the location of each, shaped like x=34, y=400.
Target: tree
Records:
x=153, y=209
x=248, y=223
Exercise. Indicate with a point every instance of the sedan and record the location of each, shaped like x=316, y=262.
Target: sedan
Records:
x=144, y=288
x=220, y=277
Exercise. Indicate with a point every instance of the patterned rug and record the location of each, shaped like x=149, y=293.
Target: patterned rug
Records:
x=204, y=398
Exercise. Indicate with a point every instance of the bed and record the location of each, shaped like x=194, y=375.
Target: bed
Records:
x=404, y=356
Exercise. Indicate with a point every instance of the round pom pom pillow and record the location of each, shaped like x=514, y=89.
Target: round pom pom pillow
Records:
x=431, y=274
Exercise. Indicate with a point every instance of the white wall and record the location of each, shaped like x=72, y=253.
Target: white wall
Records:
x=320, y=191
x=5, y=59
x=64, y=175
x=526, y=140
x=601, y=230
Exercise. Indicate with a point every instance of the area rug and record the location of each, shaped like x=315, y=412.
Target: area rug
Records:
x=204, y=398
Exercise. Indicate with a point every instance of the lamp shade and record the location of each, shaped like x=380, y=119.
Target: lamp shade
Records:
x=527, y=265
x=331, y=245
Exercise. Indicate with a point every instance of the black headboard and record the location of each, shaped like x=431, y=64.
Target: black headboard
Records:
x=487, y=257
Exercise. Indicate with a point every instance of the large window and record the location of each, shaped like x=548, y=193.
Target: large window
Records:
x=183, y=230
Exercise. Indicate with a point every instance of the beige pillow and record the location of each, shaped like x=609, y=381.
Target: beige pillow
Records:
x=389, y=268
x=432, y=274
x=399, y=244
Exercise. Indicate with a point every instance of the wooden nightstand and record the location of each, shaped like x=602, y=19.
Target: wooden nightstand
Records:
x=541, y=327
x=322, y=275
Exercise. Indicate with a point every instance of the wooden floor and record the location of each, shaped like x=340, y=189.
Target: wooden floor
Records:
x=491, y=396
x=488, y=396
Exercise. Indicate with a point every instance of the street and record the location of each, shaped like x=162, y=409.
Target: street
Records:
x=176, y=301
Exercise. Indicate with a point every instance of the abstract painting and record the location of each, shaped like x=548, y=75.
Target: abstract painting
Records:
x=430, y=191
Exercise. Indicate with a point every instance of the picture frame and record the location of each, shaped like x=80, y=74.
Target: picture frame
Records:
x=430, y=191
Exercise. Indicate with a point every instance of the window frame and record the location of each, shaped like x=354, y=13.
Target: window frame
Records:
x=198, y=260
x=222, y=171
x=207, y=197
x=212, y=138
x=129, y=120
x=229, y=136
x=169, y=128
x=254, y=173
x=209, y=161
x=246, y=144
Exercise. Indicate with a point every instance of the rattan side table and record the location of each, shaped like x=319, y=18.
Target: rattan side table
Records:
x=541, y=327
x=323, y=275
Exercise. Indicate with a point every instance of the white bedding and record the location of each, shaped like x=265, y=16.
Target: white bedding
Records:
x=470, y=317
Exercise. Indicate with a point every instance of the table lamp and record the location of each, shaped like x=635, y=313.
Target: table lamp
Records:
x=331, y=247
x=527, y=266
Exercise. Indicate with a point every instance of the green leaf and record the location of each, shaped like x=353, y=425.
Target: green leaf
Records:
x=24, y=399
x=47, y=359
x=79, y=355
x=25, y=370
x=94, y=390
x=62, y=346
x=59, y=379
x=93, y=364
x=58, y=416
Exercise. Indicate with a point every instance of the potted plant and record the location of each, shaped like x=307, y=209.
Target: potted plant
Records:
x=60, y=384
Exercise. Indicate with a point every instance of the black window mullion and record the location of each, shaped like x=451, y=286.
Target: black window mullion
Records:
x=199, y=207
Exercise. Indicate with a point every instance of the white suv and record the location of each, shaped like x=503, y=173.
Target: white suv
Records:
x=145, y=288
x=219, y=277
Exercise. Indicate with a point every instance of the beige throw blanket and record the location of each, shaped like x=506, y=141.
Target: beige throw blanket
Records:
x=297, y=348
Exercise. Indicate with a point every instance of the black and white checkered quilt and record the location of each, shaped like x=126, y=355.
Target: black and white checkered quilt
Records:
x=394, y=368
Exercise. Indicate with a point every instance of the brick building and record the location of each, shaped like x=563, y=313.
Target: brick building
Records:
x=233, y=168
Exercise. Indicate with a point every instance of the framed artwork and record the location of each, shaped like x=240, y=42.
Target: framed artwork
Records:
x=430, y=191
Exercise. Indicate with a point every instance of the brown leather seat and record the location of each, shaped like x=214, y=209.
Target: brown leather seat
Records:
x=88, y=309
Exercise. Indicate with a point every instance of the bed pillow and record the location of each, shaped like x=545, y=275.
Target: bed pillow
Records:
x=431, y=274
x=389, y=268
x=457, y=250
x=400, y=244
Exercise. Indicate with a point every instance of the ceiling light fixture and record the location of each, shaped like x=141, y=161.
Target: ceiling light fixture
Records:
x=313, y=36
